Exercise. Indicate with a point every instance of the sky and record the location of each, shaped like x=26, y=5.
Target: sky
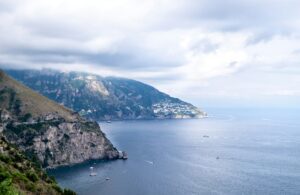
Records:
x=210, y=53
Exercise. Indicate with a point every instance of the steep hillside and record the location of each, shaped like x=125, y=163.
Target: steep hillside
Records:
x=47, y=131
x=105, y=98
x=19, y=175
x=32, y=102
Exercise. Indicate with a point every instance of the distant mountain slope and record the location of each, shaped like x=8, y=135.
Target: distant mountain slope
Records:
x=105, y=98
x=46, y=130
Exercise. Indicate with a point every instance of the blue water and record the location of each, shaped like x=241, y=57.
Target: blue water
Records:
x=248, y=151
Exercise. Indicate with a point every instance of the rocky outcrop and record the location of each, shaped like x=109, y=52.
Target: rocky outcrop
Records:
x=56, y=143
x=78, y=144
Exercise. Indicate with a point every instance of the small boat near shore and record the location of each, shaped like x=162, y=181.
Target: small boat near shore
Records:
x=92, y=173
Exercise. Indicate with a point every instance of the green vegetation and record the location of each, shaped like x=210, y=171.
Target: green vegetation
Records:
x=90, y=126
x=19, y=175
x=26, y=117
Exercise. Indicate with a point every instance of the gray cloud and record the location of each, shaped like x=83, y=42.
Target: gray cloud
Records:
x=266, y=16
x=204, y=46
x=184, y=42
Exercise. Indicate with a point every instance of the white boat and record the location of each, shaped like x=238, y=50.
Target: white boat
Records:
x=92, y=173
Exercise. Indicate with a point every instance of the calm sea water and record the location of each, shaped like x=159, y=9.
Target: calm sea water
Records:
x=247, y=152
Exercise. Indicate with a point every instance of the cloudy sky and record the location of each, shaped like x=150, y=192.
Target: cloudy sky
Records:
x=204, y=51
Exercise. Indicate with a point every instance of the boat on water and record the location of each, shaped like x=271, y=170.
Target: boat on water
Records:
x=108, y=121
x=92, y=173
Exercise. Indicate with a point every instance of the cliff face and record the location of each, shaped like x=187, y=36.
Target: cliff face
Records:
x=50, y=132
x=57, y=143
x=106, y=98
x=78, y=144
x=19, y=175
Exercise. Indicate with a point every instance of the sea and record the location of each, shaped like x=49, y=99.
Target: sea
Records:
x=232, y=151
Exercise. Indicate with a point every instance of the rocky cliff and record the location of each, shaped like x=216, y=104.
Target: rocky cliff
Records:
x=48, y=131
x=19, y=175
x=105, y=98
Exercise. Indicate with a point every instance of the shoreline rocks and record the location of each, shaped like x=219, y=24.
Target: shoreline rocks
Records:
x=122, y=155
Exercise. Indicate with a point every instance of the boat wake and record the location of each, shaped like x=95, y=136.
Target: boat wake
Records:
x=149, y=162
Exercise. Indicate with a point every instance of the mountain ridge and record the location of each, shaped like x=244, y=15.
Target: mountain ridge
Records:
x=106, y=98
